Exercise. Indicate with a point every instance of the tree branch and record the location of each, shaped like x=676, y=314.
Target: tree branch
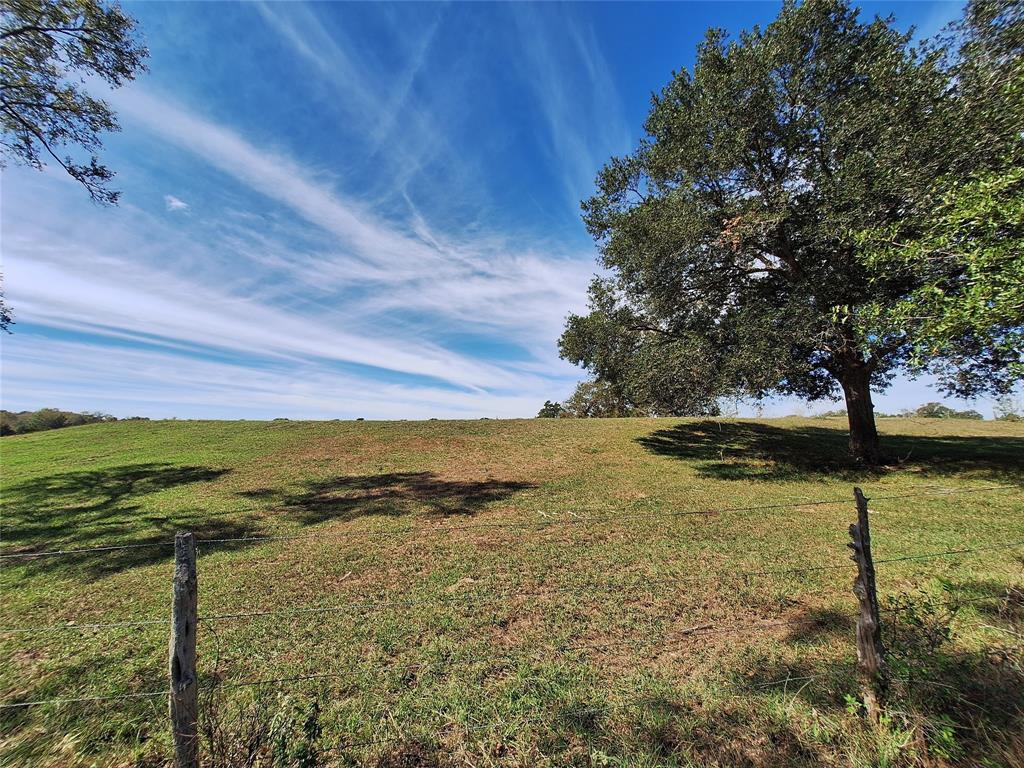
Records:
x=31, y=129
x=95, y=189
x=41, y=30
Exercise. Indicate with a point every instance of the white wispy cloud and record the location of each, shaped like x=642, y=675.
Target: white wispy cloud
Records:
x=276, y=176
x=316, y=292
x=575, y=94
x=399, y=136
x=76, y=279
x=414, y=268
x=160, y=383
x=175, y=204
x=64, y=289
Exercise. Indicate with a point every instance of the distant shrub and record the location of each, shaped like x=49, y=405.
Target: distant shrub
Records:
x=551, y=410
x=46, y=418
x=1008, y=408
x=940, y=411
x=842, y=414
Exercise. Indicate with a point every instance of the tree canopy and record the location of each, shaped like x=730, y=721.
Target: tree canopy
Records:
x=599, y=400
x=739, y=238
x=964, y=317
x=47, y=47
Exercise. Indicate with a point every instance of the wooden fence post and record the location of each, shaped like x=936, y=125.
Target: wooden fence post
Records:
x=184, y=698
x=870, y=652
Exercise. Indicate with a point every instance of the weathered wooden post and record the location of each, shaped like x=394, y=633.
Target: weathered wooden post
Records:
x=184, y=696
x=870, y=652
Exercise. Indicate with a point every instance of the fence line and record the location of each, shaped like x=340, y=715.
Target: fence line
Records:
x=370, y=602
x=511, y=524
x=576, y=520
x=471, y=599
x=151, y=694
x=194, y=518
x=697, y=631
x=694, y=632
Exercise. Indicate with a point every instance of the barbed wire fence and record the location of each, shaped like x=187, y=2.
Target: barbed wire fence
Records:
x=184, y=683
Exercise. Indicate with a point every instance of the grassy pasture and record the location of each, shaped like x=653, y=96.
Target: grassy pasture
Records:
x=512, y=593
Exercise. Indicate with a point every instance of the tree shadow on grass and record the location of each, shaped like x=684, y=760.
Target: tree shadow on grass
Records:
x=978, y=691
x=82, y=510
x=59, y=506
x=391, y=494
x=103, y=508
x=992, y=599
x=680, y=730
x=99, y=726
x=754, y=451
x=976, y=695
x=727, y=734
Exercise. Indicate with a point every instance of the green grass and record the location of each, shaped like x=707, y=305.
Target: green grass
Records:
x=513, y=593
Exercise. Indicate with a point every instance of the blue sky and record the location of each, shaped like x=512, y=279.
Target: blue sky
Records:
x=337, y=210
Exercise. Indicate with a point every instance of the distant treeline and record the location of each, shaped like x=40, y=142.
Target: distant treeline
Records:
x=594, y=400
x=19, y=423
x=929, y=411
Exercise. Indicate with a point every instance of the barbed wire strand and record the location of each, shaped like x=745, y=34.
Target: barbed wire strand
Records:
x=82, y=699
x=149, y=694
x=570, y=588
x=576, y=520
x=250, y=683
x=85, y=550
x=83, y=627
x=699, y=631
x=266, y=514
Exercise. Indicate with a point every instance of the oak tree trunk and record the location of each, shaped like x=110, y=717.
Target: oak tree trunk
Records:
x=864, y=445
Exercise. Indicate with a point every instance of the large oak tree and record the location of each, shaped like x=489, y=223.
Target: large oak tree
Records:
x=740, y=238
